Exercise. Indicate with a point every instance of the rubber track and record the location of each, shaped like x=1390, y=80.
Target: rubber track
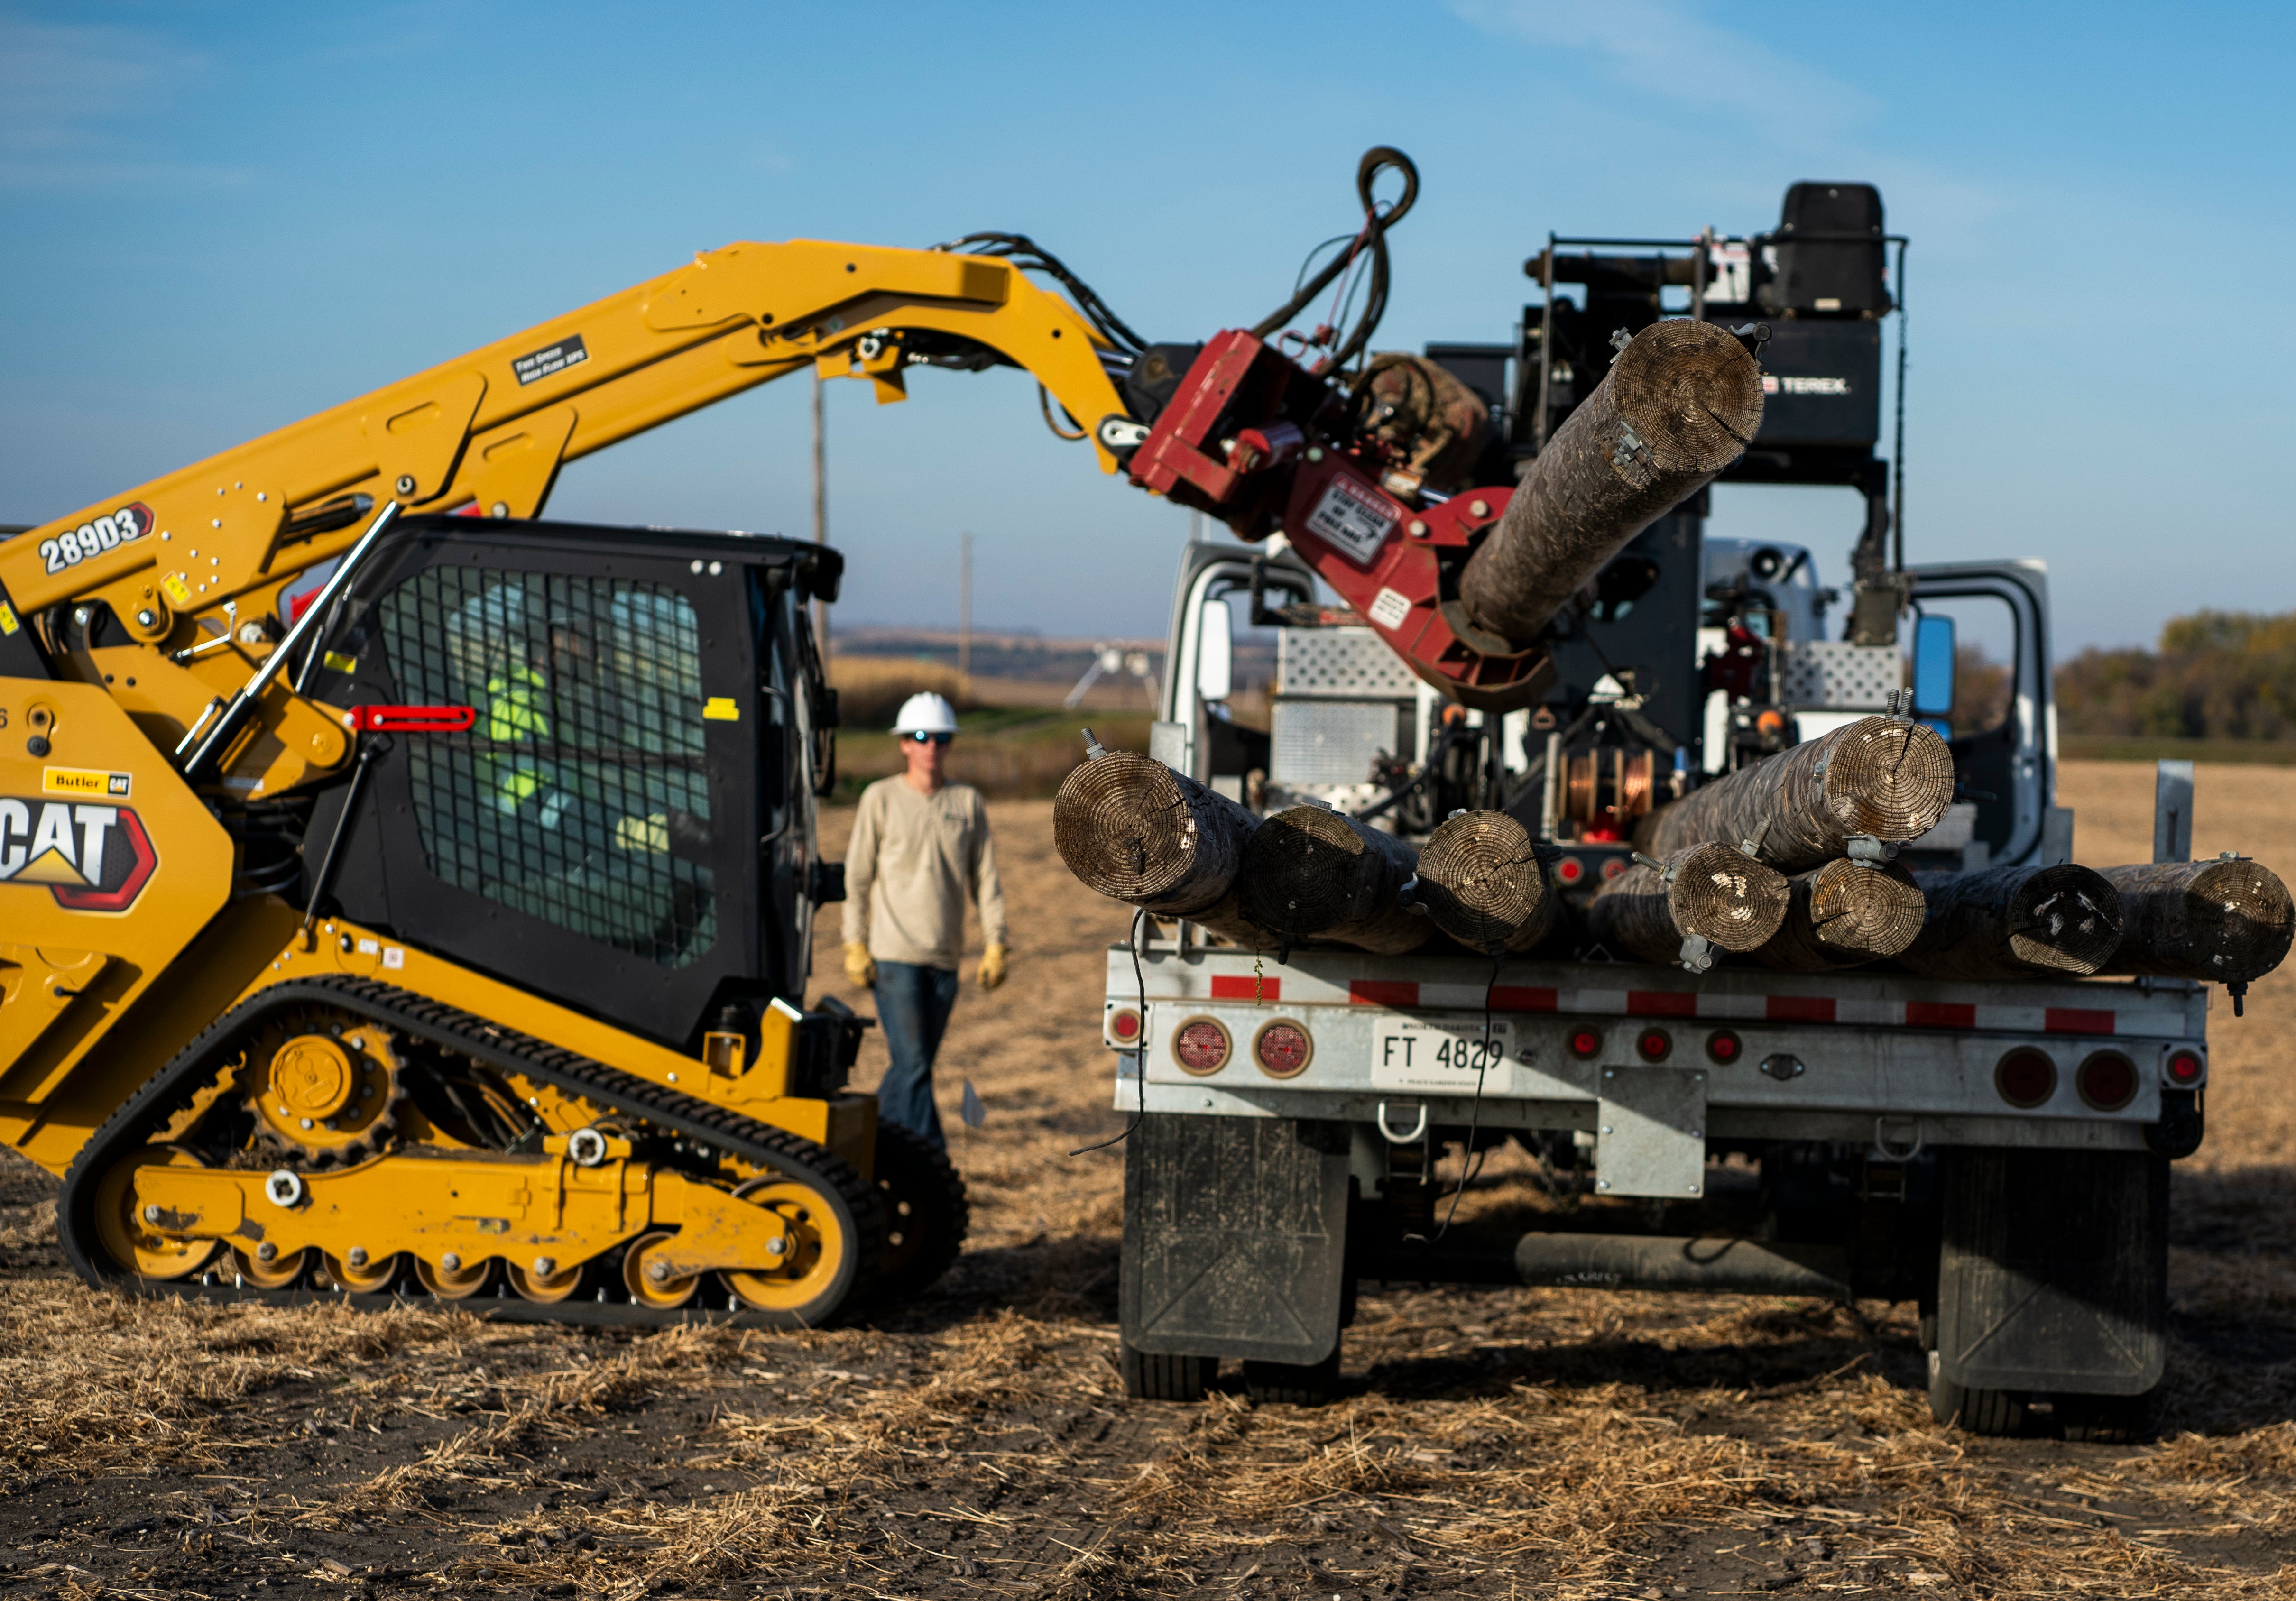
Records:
x=504, y=1049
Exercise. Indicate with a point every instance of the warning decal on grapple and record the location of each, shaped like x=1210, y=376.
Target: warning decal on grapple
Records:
x=93, y=858
x=1356, y=519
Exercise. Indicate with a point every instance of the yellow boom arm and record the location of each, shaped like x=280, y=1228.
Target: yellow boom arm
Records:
x=491, y=429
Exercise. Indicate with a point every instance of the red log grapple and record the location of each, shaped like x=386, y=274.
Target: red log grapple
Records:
x=1252, y=436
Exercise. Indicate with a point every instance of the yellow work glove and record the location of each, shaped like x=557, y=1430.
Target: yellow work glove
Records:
x=992, y=967
x=858, y=966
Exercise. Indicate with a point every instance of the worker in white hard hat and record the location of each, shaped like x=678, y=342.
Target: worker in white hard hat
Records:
x=921, y=853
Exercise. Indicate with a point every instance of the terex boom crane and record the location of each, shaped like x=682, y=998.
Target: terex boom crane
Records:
x=400, y=888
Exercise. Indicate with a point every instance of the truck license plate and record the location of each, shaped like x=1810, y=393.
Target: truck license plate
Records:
x=1442, y=1058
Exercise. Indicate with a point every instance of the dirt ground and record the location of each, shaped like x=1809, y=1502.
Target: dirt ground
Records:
x=1500, y=1443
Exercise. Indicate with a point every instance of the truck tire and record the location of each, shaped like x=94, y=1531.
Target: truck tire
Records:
x=1155, y=1376
x=2106, y=1419
x=1311, y=1386
x=1990, y=1412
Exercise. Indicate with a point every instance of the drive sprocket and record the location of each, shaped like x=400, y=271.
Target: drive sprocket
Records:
x=326, y=1088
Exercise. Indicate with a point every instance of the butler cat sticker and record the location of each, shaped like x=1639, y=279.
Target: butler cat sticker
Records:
x=92, y=859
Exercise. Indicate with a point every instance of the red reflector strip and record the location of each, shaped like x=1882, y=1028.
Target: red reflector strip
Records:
x=2078, y=1019
x=1521, y=997
x=1661, y=1003
x=1384, y=992
x=1799, y=1008
x=1939, y=1014
x=1231, y=986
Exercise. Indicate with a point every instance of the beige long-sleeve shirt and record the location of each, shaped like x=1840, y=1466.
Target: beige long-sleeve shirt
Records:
x=915, y=861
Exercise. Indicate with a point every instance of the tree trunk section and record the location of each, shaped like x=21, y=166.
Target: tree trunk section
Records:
x=1878, y=775
x=1132, y=829
x=2014, y=922
x=1844, y=914
x=1312, y=873
x=1680, y=403
x=2220, y=922
x=1714, y=892
x=1482, y=883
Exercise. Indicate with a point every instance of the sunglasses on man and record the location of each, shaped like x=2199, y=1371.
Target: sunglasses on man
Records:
x=922, y=737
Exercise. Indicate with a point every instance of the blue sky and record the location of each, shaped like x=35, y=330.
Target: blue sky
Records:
x=221, y=217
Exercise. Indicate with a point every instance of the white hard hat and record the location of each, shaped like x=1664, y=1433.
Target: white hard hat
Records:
x=926, y=713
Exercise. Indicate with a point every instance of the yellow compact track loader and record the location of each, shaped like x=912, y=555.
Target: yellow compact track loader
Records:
x=399, y=894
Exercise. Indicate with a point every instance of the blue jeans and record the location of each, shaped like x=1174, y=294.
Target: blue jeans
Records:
x=913, y=1007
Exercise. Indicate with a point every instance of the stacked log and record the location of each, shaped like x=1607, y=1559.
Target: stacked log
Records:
x=2013, y=923
x=1312, y=873
x=1878, y=776
x=1680, y=403
x=2225, y=920
x=1845, y=913
x=1482, y=884
x=1135, y=831
x=1717, y=893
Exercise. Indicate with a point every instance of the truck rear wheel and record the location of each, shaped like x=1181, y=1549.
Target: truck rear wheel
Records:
x=1285, y=1383
x=1157, y=1376
x=2106, y=1419
x=1992, y=1412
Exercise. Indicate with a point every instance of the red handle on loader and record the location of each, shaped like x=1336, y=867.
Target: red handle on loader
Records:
x=412, y=720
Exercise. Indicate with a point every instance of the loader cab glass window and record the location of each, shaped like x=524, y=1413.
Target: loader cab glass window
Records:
x=582, y=796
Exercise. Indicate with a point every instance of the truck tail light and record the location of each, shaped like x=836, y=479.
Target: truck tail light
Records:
x=1124, y=1026
x=2185, y=1069
x=1586, y=1042
x=1282, y=1049
x=1568, y=871
x=1201, y=1047
x=1654, y=1045
x=1723, y=1047
x=2025, y=1077
x=2107, y=1081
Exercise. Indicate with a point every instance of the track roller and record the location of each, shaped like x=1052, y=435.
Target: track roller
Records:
x=451, y=1279
x=275, y=1272
x=639, y=1275
x=128, y=1235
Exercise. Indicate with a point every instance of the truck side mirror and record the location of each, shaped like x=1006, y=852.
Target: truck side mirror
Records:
x=1215, y=651
x=1933, y=664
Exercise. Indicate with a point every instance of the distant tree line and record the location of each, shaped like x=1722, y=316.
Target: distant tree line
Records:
x=2216, y=675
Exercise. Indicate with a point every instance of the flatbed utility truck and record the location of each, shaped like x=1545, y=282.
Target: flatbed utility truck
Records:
x=1993, y=1152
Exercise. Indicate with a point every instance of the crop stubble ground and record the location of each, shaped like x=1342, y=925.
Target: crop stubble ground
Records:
x=1489, y=1443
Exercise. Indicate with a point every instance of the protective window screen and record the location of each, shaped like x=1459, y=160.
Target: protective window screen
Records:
x=582, y=795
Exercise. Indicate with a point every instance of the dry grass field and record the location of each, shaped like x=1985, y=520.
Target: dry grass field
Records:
x=1500, y=1443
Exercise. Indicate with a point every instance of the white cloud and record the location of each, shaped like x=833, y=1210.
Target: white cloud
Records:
x=73, y=99
x=1671, y=51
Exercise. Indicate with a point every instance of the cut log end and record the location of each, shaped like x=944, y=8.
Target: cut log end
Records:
x=1891, y=779
x=1728, y=897
x=1303, y=872
x=1123, y=826
x=1863, y=913
x=1482, y=884
x=2064, y=918
x=1692, y=392
x=2227, y=921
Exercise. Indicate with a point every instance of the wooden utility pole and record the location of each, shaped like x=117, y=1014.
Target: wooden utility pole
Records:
x=820, y=512
x=965, y=614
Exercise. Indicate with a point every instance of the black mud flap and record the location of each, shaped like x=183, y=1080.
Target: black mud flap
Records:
x=1236, y=1237
x=2053, y=1272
